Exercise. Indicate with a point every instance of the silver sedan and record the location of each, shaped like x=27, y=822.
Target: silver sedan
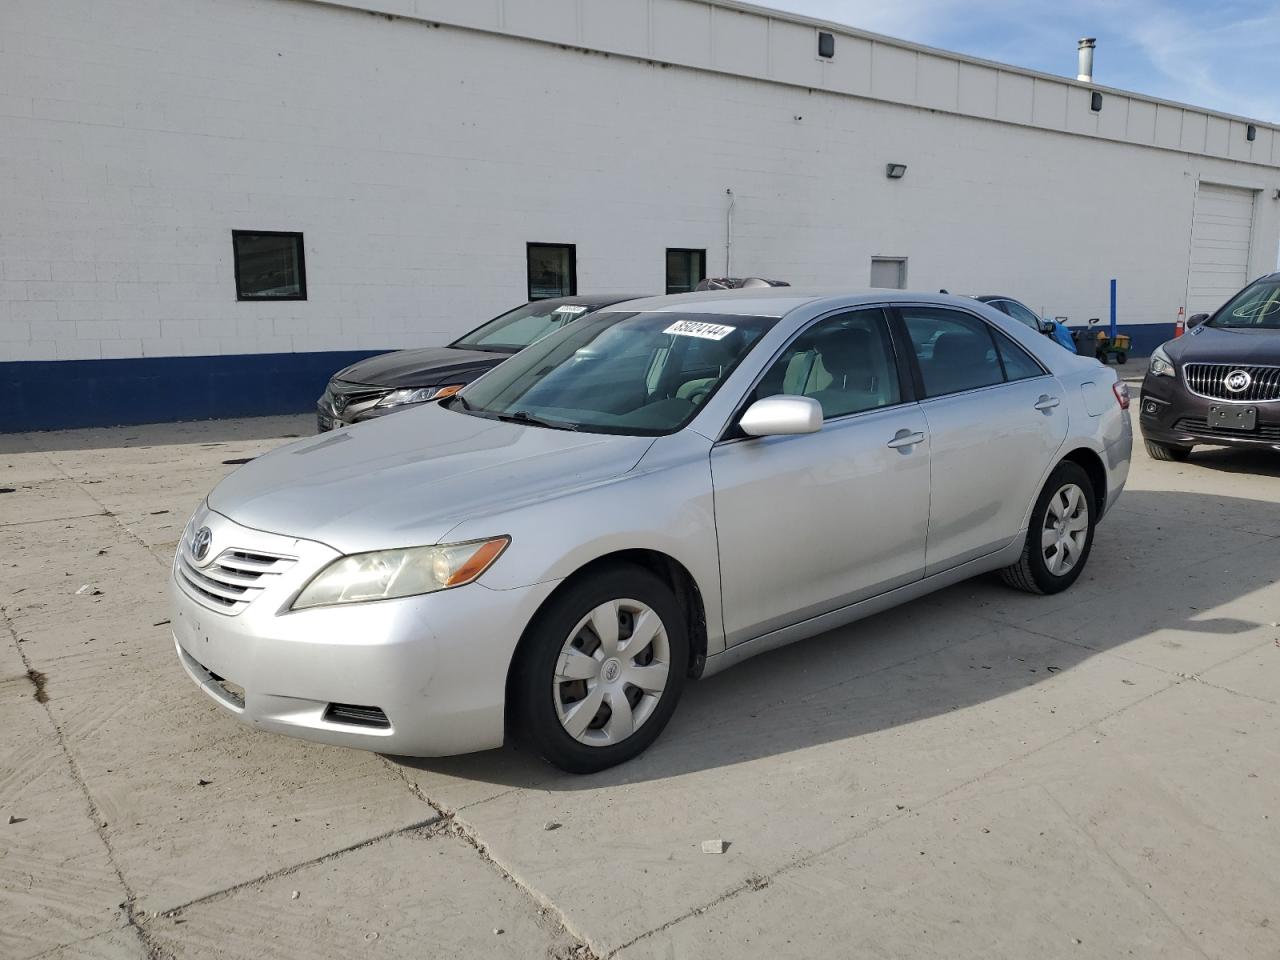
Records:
x=651, y=494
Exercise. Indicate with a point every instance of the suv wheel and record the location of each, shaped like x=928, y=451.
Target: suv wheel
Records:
x=1163, y=451
x=1060, y=534
x=599, y=673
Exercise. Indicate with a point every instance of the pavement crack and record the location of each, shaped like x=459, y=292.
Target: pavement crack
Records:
x=128, y=908
x=759, y=882
x=431, y=822
x=451, y=824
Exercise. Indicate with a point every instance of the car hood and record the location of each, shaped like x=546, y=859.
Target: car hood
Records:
x=409, y=479
x=426, y=367
x=1205, y=344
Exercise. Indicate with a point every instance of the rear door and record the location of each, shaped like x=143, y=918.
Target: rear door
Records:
x=996, y=420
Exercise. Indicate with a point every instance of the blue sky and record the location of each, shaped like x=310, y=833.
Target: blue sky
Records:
x=1225, y=55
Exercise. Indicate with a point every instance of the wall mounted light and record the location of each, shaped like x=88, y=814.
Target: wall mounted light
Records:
x=1251, y=133
x=895, y=171
x=1095, y=102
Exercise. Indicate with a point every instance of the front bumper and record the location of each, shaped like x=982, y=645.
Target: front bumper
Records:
x=434, y=665
x=328, y=418
x=1169, y=413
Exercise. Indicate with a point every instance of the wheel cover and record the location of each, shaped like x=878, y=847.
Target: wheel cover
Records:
x=611, y=672
x=1065, y=530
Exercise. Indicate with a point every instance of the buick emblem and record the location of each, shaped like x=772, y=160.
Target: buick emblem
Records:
x=1238, y=381
x=200, y=541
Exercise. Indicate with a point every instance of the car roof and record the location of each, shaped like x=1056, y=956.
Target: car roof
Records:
x=780, y=301
x=595, y=299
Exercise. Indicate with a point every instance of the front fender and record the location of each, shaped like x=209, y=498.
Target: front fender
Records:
x=665, y=505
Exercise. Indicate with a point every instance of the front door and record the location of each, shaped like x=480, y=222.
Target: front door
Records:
x=807, y=524
x=996, y=421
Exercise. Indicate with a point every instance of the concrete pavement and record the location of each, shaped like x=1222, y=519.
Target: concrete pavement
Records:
x=981, y=774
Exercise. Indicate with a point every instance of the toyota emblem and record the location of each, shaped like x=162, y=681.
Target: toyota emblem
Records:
x=1238, y=381
x=200, y=541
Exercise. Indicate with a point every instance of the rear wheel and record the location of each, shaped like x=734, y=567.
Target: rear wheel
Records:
x=1060, y=534
x=599, y=673
x=1164, y=451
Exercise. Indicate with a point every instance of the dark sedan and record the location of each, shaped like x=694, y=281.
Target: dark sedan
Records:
x=391, y=382
x=1219, y=384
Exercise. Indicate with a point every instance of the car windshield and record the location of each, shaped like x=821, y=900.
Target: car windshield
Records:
x=1257, y=307
x=522, y=326
x=629, y=373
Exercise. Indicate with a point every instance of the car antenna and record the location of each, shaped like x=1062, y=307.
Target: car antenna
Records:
x=946, y=291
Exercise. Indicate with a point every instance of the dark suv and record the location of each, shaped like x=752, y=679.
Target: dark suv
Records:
x=1220, y=383
x=391, y=382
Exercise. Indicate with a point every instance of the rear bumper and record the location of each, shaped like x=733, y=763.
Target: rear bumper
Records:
x=1170, y=414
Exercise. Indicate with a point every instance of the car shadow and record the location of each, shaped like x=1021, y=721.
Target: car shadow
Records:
x=1263, y=463
x=969, y=644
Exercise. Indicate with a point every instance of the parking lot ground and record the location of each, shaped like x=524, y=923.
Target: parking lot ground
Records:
x=980, y=774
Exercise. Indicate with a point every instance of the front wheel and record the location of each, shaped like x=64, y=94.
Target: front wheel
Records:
x=1163, y=451
x=1060, y=534
x=599, y=673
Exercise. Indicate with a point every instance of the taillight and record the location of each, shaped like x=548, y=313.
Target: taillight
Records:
x=1121, y=390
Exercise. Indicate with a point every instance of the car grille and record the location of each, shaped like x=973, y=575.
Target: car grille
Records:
x=1199, y=426
x=233, y=580
x=1209, y=380
x=342, y=396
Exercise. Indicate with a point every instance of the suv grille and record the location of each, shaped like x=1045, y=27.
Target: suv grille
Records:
x=1209, y=380
x=231, y=582
x=1201, y=426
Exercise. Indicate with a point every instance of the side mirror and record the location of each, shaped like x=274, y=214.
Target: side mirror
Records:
x=1196, y=319
x=782, y=415
x=1046, y=327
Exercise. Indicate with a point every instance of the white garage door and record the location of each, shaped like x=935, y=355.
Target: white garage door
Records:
x=1220, y=232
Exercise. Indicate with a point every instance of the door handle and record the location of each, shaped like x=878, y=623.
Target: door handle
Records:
x=1047, y=402
x=905, y=438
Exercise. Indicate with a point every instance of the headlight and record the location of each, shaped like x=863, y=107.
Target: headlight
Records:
x=400, y=398
x=385, y=574
x=1161, y=365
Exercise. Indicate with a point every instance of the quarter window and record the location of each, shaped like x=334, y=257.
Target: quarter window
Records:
x=685, y=269
x=955, y=350
x=269, y=265
x=845, y=362
x=552, y=270
x=1018, y=364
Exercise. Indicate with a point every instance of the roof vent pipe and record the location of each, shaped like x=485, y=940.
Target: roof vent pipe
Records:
x=1085, y=48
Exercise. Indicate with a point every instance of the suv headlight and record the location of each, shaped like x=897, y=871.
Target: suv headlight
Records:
x=400, y=398
x=1161, y=365
x=385, y=574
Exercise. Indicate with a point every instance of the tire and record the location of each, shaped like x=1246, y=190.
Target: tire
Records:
x=544, y=701
x=1035, y=570
x=1122, y=358
x=1163, y=451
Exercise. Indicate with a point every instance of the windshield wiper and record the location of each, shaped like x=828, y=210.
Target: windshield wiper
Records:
x=524, y=416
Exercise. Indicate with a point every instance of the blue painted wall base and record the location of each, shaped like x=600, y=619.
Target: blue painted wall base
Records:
x=61, y=394
x=64, y=394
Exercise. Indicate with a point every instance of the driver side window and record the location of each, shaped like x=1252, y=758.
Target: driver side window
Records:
x=845, y=362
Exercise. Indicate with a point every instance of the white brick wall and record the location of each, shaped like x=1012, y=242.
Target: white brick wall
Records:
x=135, y=135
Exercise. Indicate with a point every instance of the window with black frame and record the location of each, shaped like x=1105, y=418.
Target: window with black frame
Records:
x=269, y=265
x=686, y=268
x=552, y=270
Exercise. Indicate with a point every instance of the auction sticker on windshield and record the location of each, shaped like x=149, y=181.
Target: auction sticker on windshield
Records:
x=571, y=311
x=693, y=328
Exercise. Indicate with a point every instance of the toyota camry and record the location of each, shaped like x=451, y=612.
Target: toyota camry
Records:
x=649, y=495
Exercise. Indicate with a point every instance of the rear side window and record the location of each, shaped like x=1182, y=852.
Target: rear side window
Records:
x=1018, y=364
x=955, y=350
